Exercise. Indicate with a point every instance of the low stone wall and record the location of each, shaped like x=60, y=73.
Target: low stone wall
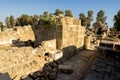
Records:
x=23, y=33
x=18, y=62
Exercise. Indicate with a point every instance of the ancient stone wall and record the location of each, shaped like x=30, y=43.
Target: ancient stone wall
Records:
x=45, y=35
x=23, y=33
x=70, y=35
x=21, y=61
x=18, y=62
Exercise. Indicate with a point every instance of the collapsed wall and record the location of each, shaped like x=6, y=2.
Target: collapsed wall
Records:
x=24, y=33
x=45, y=36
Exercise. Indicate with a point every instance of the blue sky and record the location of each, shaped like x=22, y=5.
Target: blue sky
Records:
x=31, y=7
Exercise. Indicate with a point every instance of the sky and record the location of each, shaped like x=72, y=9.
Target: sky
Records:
x=32, y=7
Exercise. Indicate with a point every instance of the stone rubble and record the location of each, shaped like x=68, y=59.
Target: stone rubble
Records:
x=48, y=72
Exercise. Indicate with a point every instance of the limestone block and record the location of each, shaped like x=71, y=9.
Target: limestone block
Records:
x=69, y=21
x=75, y=21
x=49, y=44
x=66, y=35
x=56, y=54
x=64, y=27
x=87, y=42
x=63, y=21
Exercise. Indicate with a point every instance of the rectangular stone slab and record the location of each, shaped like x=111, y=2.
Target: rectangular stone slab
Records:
x=65, y=69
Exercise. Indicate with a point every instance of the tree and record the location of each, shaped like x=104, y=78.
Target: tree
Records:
x=50, y=14
x=82, y=17
x=24, y=19
x=57, y=12
x=7, y=22
x=89, y=18
x=12, y=21
x=117, y=21
x=68, y=13
x=45, y=14
x=1, y=26
x=101, y=17
x=86, y=21
x=35, y=18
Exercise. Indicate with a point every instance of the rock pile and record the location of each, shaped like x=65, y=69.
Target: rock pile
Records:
x=49, y=72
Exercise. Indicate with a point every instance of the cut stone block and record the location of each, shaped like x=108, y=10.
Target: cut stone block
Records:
x=65, y=69
x=56, y=54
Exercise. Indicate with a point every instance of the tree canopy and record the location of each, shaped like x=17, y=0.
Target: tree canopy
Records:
x=86, y=21
x=57, y=12
x=68, y=13
x=100, y=19
x=7, y=22
x=117, y=21
x=101, y=16
x=24, y=19
x=45, y=14
x=82, y=17
x=12, y=21
x=89, y=18
x=1, y=26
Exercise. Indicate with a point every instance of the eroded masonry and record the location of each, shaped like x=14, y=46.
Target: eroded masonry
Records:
x=19, y=58
x=67, y=51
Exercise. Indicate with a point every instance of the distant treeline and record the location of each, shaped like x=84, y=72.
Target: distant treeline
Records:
x=47, y=18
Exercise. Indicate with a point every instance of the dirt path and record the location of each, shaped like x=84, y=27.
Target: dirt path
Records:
x=80, y=64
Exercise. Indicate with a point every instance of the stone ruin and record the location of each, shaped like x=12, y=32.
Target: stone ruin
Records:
x=101, y=29
x=36, y=52
x=9, y=36
x=22, y=49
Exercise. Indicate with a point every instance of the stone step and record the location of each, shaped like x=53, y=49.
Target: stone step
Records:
x=65, y=69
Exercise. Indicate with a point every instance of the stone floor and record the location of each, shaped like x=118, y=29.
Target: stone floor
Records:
x=80, y=64
x=104, y=69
